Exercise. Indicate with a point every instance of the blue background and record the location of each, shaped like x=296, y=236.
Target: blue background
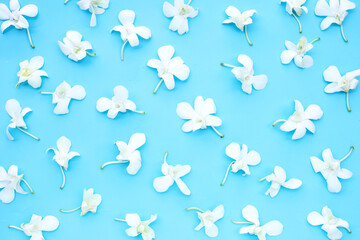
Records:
x=246, y=119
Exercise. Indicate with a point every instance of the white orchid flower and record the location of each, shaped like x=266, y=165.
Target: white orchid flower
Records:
x=15, y=16
x=298, y=53
x=128, y=31
x=30, y=72
x=74, y=48
x=62, y=155
x=118, y=103
x=241, y=20
x=300, y=121
x=328, y=223
x=294, y=7
x=334, y=12
x=180, y=12
x=10, y=183
x=129, y=153
x=251, y=214
x=278, y=180
x=199, y=117
x=13, y=108
x=95, y=7
x=138, y=227
x=169, y=67
x=63, y=95
x=208, y=219
x=242, y=159
x=89, y=204
x=245, y=74
x=340, y=83
x=330, y=169
x=37, y=225
x=172, y=174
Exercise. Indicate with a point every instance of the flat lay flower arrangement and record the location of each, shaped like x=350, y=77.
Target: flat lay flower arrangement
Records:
x=172, y=119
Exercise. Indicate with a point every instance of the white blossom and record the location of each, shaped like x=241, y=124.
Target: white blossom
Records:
x=73, y=47
x=300, y=121
x=330, y=169
x=251, y=214
x=138, y=227
x=334, y=12
x=241, y=20
x=118, y=103
x=15, y=16
x=30, y=72
x=294, y=7
x=208, y=219
x=63, y=95
x=129, y=153
x=63, y=155
x=340, y=83
x=168, y=67
x=329, y=223
x=245, y=74
x=129, y=33
x=37, y=225
x=17, y=114
x=10, y=183
x=298, y=53
x=90, y=202
x=199, y=117
x=95, y=7
x=179, y=12
x=242, y=159
x=278, y=180
x=172, y=174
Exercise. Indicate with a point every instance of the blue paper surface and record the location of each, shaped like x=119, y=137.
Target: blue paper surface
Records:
x=246, y=119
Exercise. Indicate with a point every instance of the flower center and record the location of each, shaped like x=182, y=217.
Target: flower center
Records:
x=61, y=93
x=334, y=166
x=25, y=72
x=96, y=2
x=142, y=228
x=332, y=220
x=302, y=47
x=77, y=49
x=184, y=10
